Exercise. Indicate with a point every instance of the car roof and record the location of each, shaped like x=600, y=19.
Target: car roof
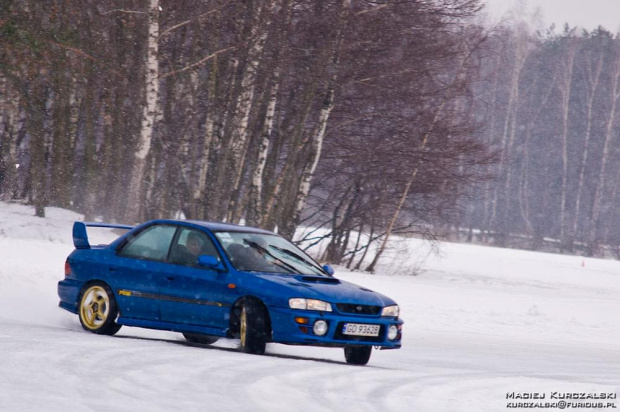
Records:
x=218, y=226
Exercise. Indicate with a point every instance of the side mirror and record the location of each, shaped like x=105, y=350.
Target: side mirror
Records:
x=210, y=262
x=330, y=270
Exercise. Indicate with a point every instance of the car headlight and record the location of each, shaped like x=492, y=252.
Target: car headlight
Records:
x=393, y=310
x=309, y=304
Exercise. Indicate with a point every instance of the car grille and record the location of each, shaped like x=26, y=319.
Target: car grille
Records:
x=358, y=309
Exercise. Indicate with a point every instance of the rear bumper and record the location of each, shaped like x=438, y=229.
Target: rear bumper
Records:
x=68, y=292
x=288, y=331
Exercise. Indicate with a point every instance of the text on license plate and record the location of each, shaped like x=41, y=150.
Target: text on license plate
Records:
x=357, y=329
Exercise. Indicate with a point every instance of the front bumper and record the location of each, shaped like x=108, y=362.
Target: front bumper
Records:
x=288, y=331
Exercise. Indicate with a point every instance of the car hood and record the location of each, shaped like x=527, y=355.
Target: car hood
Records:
x=330, y=289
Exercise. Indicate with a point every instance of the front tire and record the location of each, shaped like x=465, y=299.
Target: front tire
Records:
x=253, y=328
x=359, y=355
x=198, y=338
x=98, y=310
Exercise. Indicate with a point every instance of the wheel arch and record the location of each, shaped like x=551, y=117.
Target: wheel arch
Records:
x=235, y=313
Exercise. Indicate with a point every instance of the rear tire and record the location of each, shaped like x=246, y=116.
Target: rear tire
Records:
x=98, y=310
x=199, y=338
x=359, y=355
x=253, y=328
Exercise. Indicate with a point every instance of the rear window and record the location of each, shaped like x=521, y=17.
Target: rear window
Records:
x=152, y=243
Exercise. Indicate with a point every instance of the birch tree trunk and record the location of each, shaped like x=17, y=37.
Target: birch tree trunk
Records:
x=509, y=147
x=203, y=164
x=565, y=92
x=187, y=155
x=215, y=187
x=371, y=234
x=524, y=184
x=61, y=180
x=267, y=150
x=35, y=123
x=150, y=116
x=272, y=208
x=508, y=136
x=599, y=188
x=254, y=214
x=4, y=137
x=357, y=243
x=593, y=78
x=317, y=139
x=239, y=147
x=10, y=116
x=89, y=170
x=613, y=196
x=490, y=136
x=315, y=155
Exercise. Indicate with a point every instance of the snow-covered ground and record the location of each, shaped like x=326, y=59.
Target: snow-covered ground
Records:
x=481, y=323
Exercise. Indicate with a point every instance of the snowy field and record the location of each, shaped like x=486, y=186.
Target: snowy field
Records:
x=480, y=323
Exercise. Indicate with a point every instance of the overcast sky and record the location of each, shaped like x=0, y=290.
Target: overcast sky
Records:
x=583, y=13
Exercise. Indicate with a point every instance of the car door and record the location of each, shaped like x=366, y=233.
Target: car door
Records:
x=192, y=294
x=139, y=272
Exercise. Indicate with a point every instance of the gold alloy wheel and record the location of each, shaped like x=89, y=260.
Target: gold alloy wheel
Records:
x=95, y=307
x=244, y=327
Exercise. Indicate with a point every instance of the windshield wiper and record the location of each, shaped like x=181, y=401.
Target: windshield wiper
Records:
x=254, y=245
x=297, y=257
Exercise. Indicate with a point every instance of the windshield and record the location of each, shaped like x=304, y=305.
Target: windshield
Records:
x=256, y=252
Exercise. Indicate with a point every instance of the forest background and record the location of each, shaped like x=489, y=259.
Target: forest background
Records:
x=361, y=119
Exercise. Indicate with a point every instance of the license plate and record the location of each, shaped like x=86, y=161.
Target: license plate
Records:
x=357, y=329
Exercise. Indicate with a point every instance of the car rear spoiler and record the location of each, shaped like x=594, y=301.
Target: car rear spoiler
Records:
x=80, y=237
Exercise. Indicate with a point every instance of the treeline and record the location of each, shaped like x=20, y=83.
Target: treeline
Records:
x=550, y=104
x=351, y=115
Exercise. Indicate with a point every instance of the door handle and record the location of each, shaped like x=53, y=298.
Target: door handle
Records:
x=169, y=277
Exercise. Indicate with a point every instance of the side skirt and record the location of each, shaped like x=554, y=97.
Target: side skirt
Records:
x=174, y=327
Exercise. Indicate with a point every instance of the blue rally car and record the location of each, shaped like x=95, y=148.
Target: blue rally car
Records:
x=210, y=280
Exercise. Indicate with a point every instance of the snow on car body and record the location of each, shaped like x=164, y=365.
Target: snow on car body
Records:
x=238, y=282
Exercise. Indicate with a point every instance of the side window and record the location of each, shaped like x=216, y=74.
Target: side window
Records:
x=189, y=245
x=153, y=243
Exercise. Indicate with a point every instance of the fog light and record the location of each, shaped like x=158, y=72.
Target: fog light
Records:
x=392, y=332
x=320, y=328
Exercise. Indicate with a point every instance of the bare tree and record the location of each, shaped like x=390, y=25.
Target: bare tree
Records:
x=600, y=183
x=593, y=62
x=150, y=114
x=565, y=89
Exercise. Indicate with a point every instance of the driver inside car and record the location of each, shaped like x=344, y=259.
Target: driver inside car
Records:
x=194, y=245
